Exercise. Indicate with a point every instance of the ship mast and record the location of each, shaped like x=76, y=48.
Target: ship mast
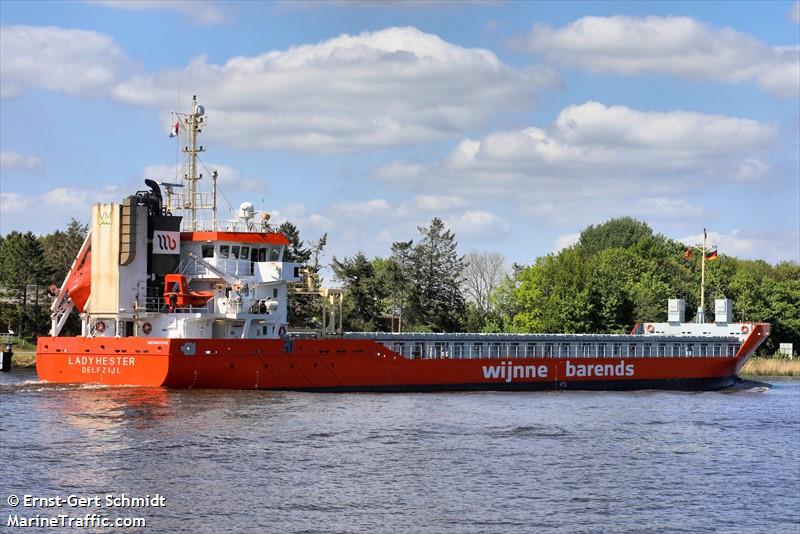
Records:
x=194, y=120
x=193, y=198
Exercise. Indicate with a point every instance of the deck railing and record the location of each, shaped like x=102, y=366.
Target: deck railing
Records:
x=465, y=350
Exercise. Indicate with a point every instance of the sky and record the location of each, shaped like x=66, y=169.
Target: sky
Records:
x=517, y=123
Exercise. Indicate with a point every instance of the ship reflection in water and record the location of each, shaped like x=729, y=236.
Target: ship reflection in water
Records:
x=466, y=462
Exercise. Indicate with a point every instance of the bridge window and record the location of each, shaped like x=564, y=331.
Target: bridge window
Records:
x=245, y=255
x=274, y=253
x=689, y=349
x=703, y=350
x=564, y=349
x=530, y=350
x=235, y=252
x=207, y=251
x=717, y=350
x=513, y=350
x=646, y=350
x=601, y=350
x=458, y=350
x=224, y=251
x=262, y=254
x=476, y=350
x=676, y=350
x=732, y=349
x=631, y=350
x=418, y=350
x=662, y=349
x=617, y=349
x=548, y=350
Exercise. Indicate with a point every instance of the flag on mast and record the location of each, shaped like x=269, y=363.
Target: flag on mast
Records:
x=711, y=254
x=175, y=130
x=688, y=254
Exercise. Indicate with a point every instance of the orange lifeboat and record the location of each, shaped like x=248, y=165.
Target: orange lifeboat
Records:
x=178, y=295
x=79, y=285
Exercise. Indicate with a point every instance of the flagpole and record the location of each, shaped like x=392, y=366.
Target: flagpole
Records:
x=701, y=312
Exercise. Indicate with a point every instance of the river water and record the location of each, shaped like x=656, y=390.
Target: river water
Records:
x=255, y=461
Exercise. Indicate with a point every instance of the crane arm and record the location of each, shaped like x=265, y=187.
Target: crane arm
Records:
x=234, y=282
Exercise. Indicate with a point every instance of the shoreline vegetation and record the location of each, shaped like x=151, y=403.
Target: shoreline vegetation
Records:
x=771, y=367
x=763, y=367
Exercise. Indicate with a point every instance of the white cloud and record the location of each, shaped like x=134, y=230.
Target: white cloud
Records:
x=10, y=160
x=397, y=86
x=433, y=203
x=565, y=241
x=680, y=46
x=773, y=246
x=357, y=210
x=794, y=12
x=203, y=13
x=597, y=157
x=752, y=170
x=11, y=203
x=668, y=208
x=74, y=61
x=477, y=223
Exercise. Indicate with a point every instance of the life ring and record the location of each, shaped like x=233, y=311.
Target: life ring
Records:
x=650, y=329
x=282, y=331
x=99, y=327
x=745, y=329
x=147, y=328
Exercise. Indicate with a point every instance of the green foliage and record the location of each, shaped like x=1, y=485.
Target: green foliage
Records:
x=303, y=311
x=554, y=294
x=365, y=293
x=623, y=232
x=419, y=286
x=24, y=277
x=435, y=300
x=60, y=249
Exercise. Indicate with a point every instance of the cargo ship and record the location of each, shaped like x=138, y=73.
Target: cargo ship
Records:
x=170, y=296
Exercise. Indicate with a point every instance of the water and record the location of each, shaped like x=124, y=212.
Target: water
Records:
x=251, y=461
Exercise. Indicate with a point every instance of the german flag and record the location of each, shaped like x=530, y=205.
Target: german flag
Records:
x=712, y=255
x=687, y=255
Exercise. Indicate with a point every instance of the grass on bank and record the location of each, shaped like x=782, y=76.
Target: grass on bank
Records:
x=771, y=367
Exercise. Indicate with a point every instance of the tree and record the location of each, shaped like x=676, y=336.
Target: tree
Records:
x=61, y=248
x=553, y=295
x=782, y=293
x=303, y=311
x=23, y=275
x=483, y=272
x=622, y=232
x=399, y=275
x=364, y=293
x=436, y=302
x=294, y=251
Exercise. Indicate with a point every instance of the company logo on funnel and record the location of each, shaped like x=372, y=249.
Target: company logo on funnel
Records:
x=166, y=242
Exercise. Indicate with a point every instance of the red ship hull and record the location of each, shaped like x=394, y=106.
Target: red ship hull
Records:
x=359, y=365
